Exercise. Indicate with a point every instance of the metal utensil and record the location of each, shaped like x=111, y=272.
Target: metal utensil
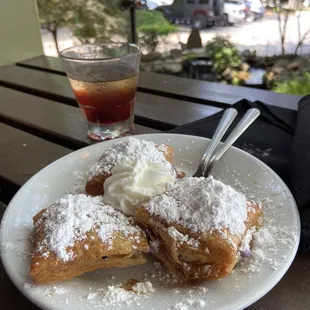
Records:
x=227, y=118
x=215, y=151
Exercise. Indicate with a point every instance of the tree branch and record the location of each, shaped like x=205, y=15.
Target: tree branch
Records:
x=301, y=41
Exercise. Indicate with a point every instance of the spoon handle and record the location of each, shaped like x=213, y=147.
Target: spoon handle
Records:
x=249, y=117
x=224, y=124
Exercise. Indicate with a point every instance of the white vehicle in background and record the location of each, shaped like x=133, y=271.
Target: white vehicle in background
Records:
x=234, y=11
x=154, y=4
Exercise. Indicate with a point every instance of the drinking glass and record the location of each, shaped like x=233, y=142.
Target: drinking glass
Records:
x=104, y=79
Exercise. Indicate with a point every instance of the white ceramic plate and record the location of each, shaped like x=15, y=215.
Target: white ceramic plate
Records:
x=247, y=284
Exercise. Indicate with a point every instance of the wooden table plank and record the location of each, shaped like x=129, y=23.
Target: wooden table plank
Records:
x=44, y=63
x=59, y=123
x=206, y=92
x=22, y=154
x=184, y=89
x=150, y=109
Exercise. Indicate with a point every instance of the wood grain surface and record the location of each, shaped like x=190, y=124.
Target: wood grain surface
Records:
x=164, y=113
x=22, y=155
x=59, y=123
x=211, y=93
x=184, y=89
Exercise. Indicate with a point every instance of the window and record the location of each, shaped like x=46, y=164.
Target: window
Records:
x=204, y=1
x=191, y=1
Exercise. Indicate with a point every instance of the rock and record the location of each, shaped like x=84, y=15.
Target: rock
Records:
x=268, y=79
x=282, y=62
x=239, y=77
x=278, y=70
x=297, y=64
x=176, y=53
x=244, y=66
x=194, y=53
x=228, y=74
x=200, y=52
x=151, y=56
x=194, y=39
x=246, y=53
x=173, y=66
x=146, y=67
x=157, y=65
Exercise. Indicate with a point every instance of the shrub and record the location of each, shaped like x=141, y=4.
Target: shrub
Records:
x=296, y=85
x=152, y=27
x=223, y=53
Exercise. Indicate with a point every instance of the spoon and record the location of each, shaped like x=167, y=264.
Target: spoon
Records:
x=215, y=150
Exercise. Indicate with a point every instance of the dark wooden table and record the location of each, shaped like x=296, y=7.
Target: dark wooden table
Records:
x=40, y=122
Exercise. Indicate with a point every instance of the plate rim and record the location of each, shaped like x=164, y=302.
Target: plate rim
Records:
x=240, y=306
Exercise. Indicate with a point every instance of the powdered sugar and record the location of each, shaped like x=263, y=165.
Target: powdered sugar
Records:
x=267, y=242
x=180, y=306
x=21, y=245
x=127, y=152
x=202, y=205
x=190, y=302
x=72, y=216
x=175, y=234
x=236, y=286
x=117, y=296
x=143, y=288
x=49, y=291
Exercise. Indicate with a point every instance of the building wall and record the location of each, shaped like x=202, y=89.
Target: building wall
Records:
x=20, y=36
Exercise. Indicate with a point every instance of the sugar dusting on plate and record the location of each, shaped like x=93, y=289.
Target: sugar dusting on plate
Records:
x=21, y=245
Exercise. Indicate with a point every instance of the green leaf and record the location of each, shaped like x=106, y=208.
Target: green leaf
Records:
x=296, y=85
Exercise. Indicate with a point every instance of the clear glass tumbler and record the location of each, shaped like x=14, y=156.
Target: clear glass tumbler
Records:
x=104, y=79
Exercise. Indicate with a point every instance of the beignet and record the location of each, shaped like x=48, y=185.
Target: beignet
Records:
x=196, y=229
x=77, y=234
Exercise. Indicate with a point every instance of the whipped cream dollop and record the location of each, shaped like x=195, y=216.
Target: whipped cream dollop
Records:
x=139, y=170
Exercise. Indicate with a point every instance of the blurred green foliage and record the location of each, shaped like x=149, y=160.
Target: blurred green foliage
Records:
x=223, y=53
x=152, y=27
x=99, y=21
x=90, y=20
x=296, y=85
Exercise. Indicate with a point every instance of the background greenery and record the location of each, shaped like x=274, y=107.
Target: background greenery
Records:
x=90, y=20
x=223, y=53
x=298, y=85
x=103, y=20
x=152, y=27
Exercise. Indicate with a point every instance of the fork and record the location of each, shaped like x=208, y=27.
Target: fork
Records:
x=215, y=150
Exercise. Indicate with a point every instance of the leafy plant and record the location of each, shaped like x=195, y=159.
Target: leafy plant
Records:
x=223, y=53
x=297, y=85
x=98, y=21
x=54, y=14
x=152, y=27
x=90, y=20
